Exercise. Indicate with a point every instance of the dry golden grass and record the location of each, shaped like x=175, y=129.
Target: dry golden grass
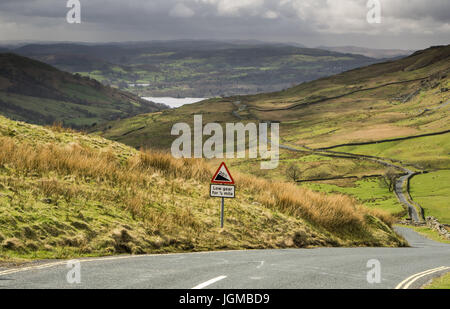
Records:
x=163, y=162
x=58, y=127
x=333, y=212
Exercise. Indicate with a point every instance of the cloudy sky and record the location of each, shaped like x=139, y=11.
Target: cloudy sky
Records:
x=405, y=24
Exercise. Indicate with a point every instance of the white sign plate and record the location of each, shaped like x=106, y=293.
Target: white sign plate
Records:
x=222, y=191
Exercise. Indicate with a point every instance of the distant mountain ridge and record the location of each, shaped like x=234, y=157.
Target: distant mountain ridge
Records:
x=36, y=92
x=189, y=68
x=369, y=52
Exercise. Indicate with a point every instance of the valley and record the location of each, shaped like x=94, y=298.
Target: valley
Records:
x=224, y=152
x=372, y=111
x=358, y=142
x=195, y=68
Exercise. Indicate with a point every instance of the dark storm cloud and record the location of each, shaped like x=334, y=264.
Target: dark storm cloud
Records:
x=438, y=10
x=405, y=23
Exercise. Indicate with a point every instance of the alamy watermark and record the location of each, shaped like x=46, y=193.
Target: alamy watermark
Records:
x=74, y=14
x=374, y=13
x=74, y=274
x=374, y=274
x=235, y=141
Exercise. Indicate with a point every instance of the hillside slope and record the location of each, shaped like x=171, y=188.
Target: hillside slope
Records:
x=404, y=98
x=66, y=194
x=386, y=100
x=368, y=52
x=38, y=93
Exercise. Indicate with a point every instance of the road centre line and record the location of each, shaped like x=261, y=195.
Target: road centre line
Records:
x=209, y=282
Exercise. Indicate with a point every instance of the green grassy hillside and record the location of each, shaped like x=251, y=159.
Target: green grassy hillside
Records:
x=65, y=194
x=441, y=283
x=38, y=93
x=402, y=98
x=405, y=97
x=432, y=191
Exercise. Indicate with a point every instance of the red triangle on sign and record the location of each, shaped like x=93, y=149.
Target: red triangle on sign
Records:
x=223, y=176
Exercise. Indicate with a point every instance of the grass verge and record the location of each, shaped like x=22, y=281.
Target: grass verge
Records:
x=439, y=283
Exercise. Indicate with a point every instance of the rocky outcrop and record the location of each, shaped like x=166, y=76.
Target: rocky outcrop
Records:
x=434, y=224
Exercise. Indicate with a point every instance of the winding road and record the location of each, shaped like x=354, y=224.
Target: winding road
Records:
x=401, y=186
x=406, y=199
x=320, y=268
x=401, y=183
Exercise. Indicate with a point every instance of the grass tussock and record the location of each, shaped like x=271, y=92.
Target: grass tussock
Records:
x=166, y=164
x=59, y=127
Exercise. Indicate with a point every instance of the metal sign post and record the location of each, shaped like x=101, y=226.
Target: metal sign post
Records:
x=222, y=185
x=222, y=212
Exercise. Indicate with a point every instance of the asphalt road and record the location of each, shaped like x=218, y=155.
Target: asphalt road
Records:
x=399, y=185
x=290, y=268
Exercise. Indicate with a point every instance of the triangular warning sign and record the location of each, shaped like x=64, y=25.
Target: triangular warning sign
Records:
x=223, y=176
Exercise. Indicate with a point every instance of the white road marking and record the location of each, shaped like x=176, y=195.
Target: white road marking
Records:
x=405, y=284
x=48, y=265
x=110, y=258
x=209, y=282
x=399, y=286
x=260, y=265
x=16, y=270
x=418, y=277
